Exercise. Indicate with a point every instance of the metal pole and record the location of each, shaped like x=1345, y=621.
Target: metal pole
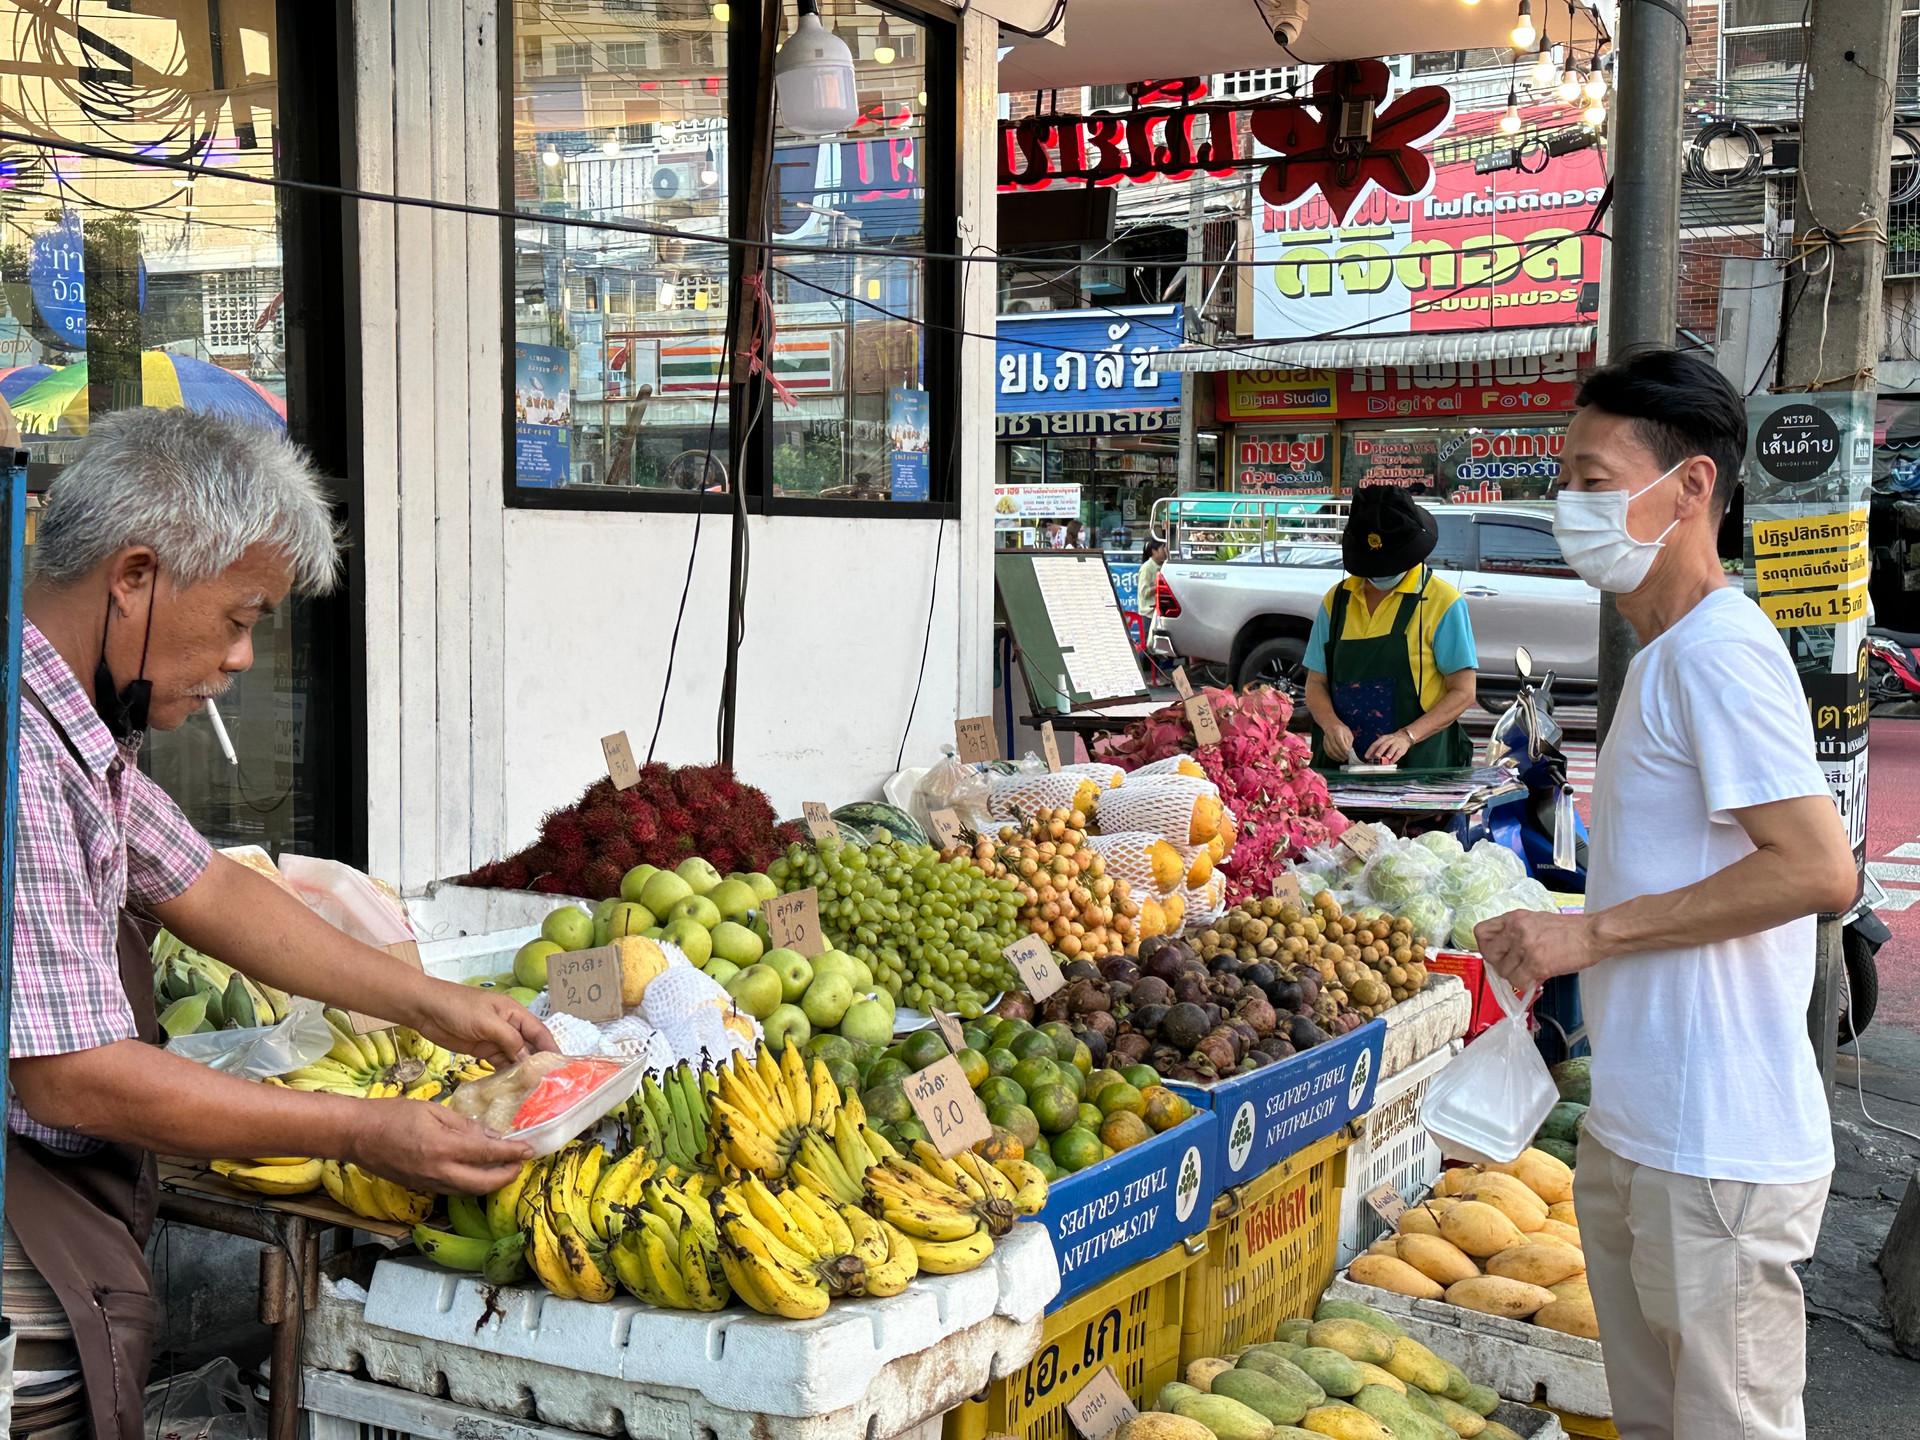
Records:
x=1645, y=226
x=13, y=545
x=1832, y=335
x=1191, y=299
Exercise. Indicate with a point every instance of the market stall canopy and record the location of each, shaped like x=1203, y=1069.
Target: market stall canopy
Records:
x=46, y=397
x=1369, y=351
x=1112, y=42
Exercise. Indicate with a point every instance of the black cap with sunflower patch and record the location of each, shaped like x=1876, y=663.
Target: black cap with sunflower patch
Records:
x=1386, y=532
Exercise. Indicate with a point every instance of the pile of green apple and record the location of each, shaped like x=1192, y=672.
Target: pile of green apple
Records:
x=795, y=998
x=712, y=919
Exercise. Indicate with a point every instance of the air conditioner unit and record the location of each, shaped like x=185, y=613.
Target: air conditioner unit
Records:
x=674, y=180
x=1030, y=305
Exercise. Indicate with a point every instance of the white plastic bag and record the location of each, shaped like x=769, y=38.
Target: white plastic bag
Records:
x=260, y=1051
x=1486, y=1107
x=347, y=900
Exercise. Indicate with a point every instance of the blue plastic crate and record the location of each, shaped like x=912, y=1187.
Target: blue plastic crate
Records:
x=1280, y=1109
x=1140, y=1203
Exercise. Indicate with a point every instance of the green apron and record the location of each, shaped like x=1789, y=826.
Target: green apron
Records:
x=1375, y=692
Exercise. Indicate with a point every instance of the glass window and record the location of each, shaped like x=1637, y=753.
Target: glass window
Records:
x=1516, y=547
x=123, y=286
x=1466, y=464
x=1407, y=458
x=1453, y=550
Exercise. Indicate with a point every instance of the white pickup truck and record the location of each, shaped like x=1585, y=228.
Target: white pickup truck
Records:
x=1245, y=575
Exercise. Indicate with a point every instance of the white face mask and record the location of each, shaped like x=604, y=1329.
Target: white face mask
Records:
x=1591, y=526
x=1387, y=582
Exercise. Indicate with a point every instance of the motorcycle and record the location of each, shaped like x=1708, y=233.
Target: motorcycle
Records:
x=1893, y=666
x=1543, y=827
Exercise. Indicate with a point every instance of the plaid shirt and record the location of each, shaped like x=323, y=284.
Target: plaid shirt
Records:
x=92, y=838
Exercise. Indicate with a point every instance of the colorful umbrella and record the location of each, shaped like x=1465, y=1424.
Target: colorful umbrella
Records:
x=46, y=398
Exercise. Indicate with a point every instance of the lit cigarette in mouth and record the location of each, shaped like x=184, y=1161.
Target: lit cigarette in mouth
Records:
x=220, y=731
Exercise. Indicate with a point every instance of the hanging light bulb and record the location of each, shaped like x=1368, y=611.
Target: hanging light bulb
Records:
x=666, y=295
x=813, y=77
x=709, y=175
x=1546, y=69
x=1510, y=122
x=611, y=145
x=550, y=157
x=722, y=11
x=1596, y=87
x=1594, y=116
x=1523, y=34
x=1568, y=90
x=883, y=51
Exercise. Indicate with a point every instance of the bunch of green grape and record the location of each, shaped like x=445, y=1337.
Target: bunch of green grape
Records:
x=931, y=930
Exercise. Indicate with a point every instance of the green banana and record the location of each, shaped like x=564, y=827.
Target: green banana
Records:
x=453, y=1252
x=689, y=1084
x=506, y=1262
x=238, y=1001
x=468, y=1217
x=682, y=1149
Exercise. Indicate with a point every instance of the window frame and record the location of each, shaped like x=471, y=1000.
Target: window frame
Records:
x=1484, y=524
x=942, y=315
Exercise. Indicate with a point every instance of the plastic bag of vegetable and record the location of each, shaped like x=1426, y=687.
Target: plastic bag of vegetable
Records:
x=1399, y=871
x=1312, y=882
x=1492, y=852
x=1471, y=880
x=1441, y=843
x=1430, y=917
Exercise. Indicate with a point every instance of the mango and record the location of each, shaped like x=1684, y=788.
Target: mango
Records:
x=1496, y=1431
x=1331, y=1371
x=1201, y=1373
x=1481, y=1399
x=1480, y=1229
x=1172, y=1393
x=1389, y=1272
x=1542, y=1265
x=1282, y=1401
x=1493, y=1295
x=1457, y=1418
x=1343, y=1422
x=1354, y=1310
x=1458, y=1385
x=1417, y=1365
x=1155, y=1426
x=1226, y=1417
x=1374, y=1375
x=1393, y=1410
x=1355, y=1339
x=1441, y=1261
x=1571, y=1316
x=1293, y=1331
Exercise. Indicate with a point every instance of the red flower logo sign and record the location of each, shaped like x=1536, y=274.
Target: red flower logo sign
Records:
x=1312, y=154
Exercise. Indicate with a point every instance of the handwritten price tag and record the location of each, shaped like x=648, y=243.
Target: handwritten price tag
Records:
x=947, y=829
x=977, y=740
x=819, y=820
x=408, y=953
x=1050, y=746
x=1361, y=841
x=793, y=922
x=586, y=983
x=947, y=1106
x=1387, y=1204
x=1101, y=1407
x=1182, y=686
x=1206, y=725
x=950, y=1031
x=1039, y=971
x=1286, y=888
x=620, y=767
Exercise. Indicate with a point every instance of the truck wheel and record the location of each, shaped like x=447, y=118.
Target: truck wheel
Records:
x=1279, y=662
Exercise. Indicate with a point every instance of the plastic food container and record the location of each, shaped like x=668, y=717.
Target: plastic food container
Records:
x=552, y=1098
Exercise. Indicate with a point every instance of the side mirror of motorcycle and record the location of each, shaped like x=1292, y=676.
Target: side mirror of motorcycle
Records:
x=1523, y=662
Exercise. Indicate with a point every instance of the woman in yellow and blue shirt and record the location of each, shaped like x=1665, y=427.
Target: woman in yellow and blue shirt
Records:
x=1390, y=663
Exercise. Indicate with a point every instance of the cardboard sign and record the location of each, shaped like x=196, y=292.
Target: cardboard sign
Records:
x=1286, y=888
x=1206, y=725
x=1050, y=747
x=620, y=767
x=977, y=740
x=1039, y=971
x=947, y=1106
x=1361, y=841
x=405, y=951
x=950, y=1031
x=793, y=922
x=586, y=983
x=1101, y=1407
x=1182, y=686
x=819, y=820
x=1387, y=1204
x=947, y=829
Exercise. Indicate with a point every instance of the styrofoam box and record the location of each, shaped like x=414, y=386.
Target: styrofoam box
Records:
x=461, y=957
x=1520, y=1361
x=866, y=1370
x=1390, y=1147
x=446, y=910
x=1425, y=1024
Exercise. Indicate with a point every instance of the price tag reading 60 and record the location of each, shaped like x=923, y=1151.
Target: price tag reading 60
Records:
x=1039, y=971
x=947, y=1106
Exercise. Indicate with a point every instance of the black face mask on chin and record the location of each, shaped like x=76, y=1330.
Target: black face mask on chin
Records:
x=124, y=711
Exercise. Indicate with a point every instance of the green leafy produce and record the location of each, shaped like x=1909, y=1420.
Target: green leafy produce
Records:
x=1441, y=843
x=1468, y=882
x=1397, y=874
x=1430, y=918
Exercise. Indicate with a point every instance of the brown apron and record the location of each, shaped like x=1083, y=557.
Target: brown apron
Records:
x=83, y=1221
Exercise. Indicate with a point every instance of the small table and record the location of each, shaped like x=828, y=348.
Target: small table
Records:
x=288, y=1228
x=1454, y=799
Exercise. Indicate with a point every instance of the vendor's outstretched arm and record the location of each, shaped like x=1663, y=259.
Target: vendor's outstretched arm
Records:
x=1802, y=864
x=240, y=916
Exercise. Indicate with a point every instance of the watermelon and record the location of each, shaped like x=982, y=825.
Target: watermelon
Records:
x=1574, y=1079
x=1563, y=1123
x=1566, y=1154
x=866, y=816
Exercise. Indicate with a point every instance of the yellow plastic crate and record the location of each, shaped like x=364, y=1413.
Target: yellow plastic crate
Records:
x=1270, y=1252
x=1131, y=1322
x=1592, y=1427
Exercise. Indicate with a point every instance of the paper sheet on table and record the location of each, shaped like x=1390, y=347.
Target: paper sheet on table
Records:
x=1093, y=639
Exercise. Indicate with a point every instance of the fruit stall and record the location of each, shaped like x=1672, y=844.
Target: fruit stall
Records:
x=1027, y=1101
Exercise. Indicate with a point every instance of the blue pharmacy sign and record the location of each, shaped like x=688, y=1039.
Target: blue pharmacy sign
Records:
x=542, y=414
x=1086, y=360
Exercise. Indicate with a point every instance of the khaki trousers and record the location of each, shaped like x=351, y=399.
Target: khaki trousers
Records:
x=1700, y=1311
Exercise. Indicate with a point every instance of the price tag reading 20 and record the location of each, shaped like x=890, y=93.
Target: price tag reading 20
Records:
x=947, y=1106
x=793, y=922
x=1039, y=971
x=586, y=983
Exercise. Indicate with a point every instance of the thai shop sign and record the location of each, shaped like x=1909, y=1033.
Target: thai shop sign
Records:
x=1062, y=360
x=1282, y=462
x=1809, y=468
x=1486, y=389
x=1017, y=505
x=1474, y=252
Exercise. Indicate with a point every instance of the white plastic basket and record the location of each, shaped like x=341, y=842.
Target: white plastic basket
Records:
x=1392, y=1148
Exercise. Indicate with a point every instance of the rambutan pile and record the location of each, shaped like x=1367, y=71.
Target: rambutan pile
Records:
x=673, y=813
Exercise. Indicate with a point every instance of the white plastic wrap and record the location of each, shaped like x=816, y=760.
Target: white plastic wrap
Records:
x=347, y=900
x=1128, y=856
x=952, y=785
x=1172, y=765
x=1184, y=810
x=1011, y=797
x=260, y=1051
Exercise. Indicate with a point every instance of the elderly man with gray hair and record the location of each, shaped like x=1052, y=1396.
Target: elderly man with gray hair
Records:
x=158, y=552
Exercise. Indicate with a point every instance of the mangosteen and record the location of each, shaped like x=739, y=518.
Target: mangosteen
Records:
x=1262, y=975
x=1218, y=1050
x=1225, y=963
x=1015, y=1005
x=1101, y=1023
x=1183, y=1026
x=1163, y=1055
x=1215, y=1014
x=1095, y=1042
x=1257, y=1011
x=1192, y=987
x=1164, y=963
x=1086, y=996
x=1129, y=1049
x=1080, y=970
x=1120, y=968
x=1286, y=996
x=1227, y=987
x=1146, y=1018
x=1305, y=1034
x=1310, y=987
x=1152, y=990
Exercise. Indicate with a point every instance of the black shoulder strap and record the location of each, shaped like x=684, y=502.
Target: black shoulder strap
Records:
x=27, y=693
x=1337, y=620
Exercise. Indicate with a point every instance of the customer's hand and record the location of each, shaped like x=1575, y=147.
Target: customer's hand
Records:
x=427, y=1147
x=1389, y=749
x=1526, y=947
x=1338, y=740
x=479, y=1022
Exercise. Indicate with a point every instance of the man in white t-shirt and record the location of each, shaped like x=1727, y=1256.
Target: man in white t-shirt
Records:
x=1706, y=1155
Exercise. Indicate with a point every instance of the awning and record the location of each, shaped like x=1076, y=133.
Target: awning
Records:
x=1372, y=351
x=1110, y=42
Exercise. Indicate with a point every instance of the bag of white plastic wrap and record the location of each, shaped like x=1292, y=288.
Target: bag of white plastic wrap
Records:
x=260, y=1051
x=952, y=785
x=348, y=900
x=1487, y=1105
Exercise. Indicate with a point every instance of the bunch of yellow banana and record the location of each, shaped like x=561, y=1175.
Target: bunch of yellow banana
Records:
x=285, y=1175
x=669, y=1255
x=999, y=1191
x=474, y=1244
x=571, y=1205
x=837, y=1163
x=950, y=1228
x=669, y=1115
x=763, y=1110
x=372, y=1196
